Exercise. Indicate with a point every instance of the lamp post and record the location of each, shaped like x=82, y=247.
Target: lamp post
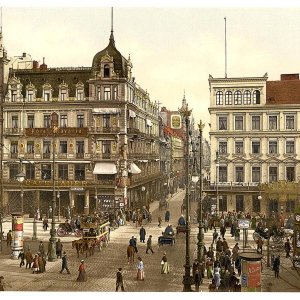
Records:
x=143, y=195
x=58, y=198
x=21, y=177
x=52, y=240
x=187, y=279
x=200, y=244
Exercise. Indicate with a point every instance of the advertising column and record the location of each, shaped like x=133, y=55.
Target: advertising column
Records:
x=17, y=234
x=251, y=272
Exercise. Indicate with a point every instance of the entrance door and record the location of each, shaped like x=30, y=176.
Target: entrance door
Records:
x=79, y=204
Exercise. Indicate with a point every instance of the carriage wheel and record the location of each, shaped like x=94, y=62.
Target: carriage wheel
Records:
x=61, y=232
x=78, y=233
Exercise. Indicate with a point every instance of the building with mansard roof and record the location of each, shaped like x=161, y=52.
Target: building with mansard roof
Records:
x=103, y=156
x=255, y=125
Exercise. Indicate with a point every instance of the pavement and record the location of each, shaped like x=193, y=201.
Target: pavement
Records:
x=102, y=266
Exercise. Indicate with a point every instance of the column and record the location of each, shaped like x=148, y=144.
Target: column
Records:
x=86, y=202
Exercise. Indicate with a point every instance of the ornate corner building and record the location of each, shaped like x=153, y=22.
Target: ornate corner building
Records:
x=103, y=155
x=255, y=126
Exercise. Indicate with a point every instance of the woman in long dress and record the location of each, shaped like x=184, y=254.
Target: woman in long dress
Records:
x=82, y=277
x=165, y=269
x=140, y=267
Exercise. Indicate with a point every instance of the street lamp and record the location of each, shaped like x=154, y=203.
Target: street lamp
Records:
x=187, y=279
x=58, y=198
x=143, y=195
x=21, y=177
x=52, y=240
x=200, y=244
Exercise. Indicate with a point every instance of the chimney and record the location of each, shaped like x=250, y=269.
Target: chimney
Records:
x=24, y=54
x=35, y=65
x=289, y=76
x=43, y=66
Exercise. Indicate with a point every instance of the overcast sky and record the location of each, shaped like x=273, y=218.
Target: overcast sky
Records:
x=172, y=48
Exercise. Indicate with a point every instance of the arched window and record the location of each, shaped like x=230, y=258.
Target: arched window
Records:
x=256, y=97
x=237, y=98
x=247, y=97
x=106, y=71
x=219, y=98
x=228, y=98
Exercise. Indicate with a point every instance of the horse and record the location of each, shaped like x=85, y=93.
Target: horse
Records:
x=78, y=245
x=130, y=254
x=88, y=246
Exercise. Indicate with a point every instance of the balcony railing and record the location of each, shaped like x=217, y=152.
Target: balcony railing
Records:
x=13, y=131
x=133, y=131
x=79, y=155
x=105, y=129
x=231, y=186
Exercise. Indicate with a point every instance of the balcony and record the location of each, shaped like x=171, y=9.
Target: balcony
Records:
x=62, y=155
x=46, y=155
x=13, y=131
x=104, y=129
x=231, y=186
x=29, y=155
x=133, y=131
x=106, y=155
x=79, y=155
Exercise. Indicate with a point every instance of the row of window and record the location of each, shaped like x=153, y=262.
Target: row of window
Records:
x=256, y=147
x=256, y=124
x=46, y=171
x=63, y=121
x=238, y=98
x=103, y=93
x=273, y=204
x=239, y=175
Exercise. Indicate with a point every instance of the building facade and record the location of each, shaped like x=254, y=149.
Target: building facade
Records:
x=254, y=140
x=104, y=152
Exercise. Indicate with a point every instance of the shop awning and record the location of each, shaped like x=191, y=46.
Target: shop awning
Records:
x=106, y=111
x=132, y=114
x=134, y=169
x=105, y=168
x=148, y=122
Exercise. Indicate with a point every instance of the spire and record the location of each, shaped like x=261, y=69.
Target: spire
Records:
x=183, y=100
x=112, y=39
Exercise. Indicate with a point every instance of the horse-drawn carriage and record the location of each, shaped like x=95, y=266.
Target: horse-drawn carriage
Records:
x=167, y=237
x=66, y=229
x=166, y=240
x=95, y=233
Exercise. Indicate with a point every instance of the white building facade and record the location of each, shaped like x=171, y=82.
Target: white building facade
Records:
x=254, y=136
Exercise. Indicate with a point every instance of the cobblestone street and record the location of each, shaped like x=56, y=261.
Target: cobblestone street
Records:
x=102, y=266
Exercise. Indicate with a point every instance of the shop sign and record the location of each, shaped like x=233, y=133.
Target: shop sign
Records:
x=176, y=121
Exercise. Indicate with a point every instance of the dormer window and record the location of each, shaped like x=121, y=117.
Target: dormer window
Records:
x=47, y=92
x=47, y=96
x=30, y=92
x=29, y=96
x=106, y=70
x=14, y=96
x=79, y=94
x=63, y=95
x=63, y=91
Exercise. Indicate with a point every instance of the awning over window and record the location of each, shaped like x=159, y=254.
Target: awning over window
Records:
x=105, y=168
x=148, y=122
x=105, y=111
x=132, y=114
x=134, y=169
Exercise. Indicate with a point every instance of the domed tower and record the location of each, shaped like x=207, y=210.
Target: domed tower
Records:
x=109, y=62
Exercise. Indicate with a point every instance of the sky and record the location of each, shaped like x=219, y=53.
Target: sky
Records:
x=173, y=47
